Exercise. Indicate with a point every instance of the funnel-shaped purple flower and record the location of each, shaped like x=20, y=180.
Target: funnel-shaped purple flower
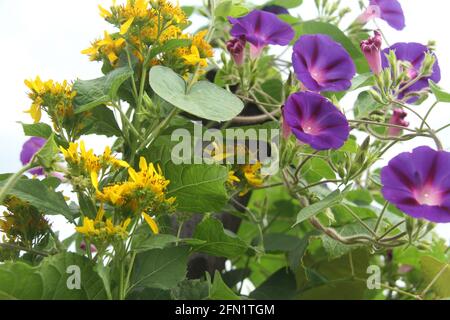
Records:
x=388, y=10
x=316, y=121
x=418, y=183
x=322, y=64
x=260, y=29
x=275, y=9
x=415, y=54
x=29, y=149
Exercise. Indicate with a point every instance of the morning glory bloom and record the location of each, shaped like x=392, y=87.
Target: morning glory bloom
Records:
x=275, y=9
x=371, y=49
x=418, y=183
x=388, y=10
x=413, y=53
x=316, y=121
x=322, y=64
x=260, y=29
x=29, y=149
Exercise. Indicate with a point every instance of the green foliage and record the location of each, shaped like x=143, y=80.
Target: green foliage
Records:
x=203, y=99
x=440, y=94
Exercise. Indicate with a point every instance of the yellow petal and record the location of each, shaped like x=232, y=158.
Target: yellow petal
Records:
x=143, y=164
x=94, y=179
x=124, y=28
x=103, y=12
x=100, y=213
x=151, y=222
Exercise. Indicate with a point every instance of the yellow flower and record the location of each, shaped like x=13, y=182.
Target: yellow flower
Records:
x=252, y=173
x=151, y=223
x=232, y=178
x=126, y=26
x=35, y=112
x=193, y=58
x=107, y=46
x=88, y=227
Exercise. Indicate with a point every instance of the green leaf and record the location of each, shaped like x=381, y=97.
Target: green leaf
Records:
x=101, y=121
x=191, y=290
x=160, y=268
x=317, y=169
x=42, y=130
x=317, y=27
x=218, y=241
x=227, y=8
x=156, y=241
x=364, y=105
x=233, y=277
x=55, y=273
x=48, y=281
x=205, y=99
x=169, y=45
x=220, y=291
x=197, y=187
x=188, y=10
x=279, y=286
x=288, y=4
x=92, y=93
x=329, y=201
x=43, y=198
x=280, y=242
x=440, y=94
x=20, y=281
x=360, y=196
x=350, y=146
x=431, y=269
x=46, y=155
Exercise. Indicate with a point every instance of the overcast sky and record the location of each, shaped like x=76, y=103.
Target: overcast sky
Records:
x=45, y=38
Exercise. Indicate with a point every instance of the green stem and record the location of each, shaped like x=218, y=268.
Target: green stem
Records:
x=380, y=217
x=127, y=120
x=428, y=114
x=21, y=248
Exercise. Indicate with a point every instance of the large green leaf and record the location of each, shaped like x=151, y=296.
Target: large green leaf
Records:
x=49, y=280
x=364, y=105
x=329, y=201
x=20, y=281
x=160, y=268
x=218, y=241
x=55, y=274
x=204, y=100
x=39, y=195
x=439, y=272
x=101, y=121
x=279, y=286
x=197, y=187
x=42, y=130
x=92, y=93
x=220, y=291
x=317, y=27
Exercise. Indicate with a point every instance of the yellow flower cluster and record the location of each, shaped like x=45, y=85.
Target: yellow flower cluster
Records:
x=144, y=191
x=101, y=229
x=147, y=23
x=54, y=97
x=85, y=162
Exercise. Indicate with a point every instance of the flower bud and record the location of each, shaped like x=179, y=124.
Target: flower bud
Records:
x=372, y=51
x=236, y=47
x=427, y=65
x=398, y=118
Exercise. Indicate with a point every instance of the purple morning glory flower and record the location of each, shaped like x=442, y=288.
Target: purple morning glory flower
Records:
x=316, y=121
x=371, y=49
x=415, y=54
x=322, y=64
x=260, y=29
x=275, y=9
x=418, y=183
x=29, y=149
x=388, y=10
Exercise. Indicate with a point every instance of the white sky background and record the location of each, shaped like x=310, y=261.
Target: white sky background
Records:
x=45, y=38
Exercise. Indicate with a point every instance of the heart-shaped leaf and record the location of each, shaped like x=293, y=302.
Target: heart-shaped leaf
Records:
x=204, y=100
